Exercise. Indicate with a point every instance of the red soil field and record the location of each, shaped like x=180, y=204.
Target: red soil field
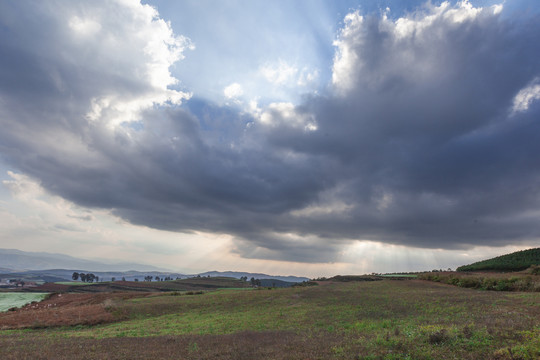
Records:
x=65, y=310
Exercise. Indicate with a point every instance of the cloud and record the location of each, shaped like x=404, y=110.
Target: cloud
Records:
x=233, y=91
x=416, y=142
x=526, y=96
x=279, y=73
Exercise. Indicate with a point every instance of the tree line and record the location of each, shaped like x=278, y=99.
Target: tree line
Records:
x=85, y=277
x=89, y=277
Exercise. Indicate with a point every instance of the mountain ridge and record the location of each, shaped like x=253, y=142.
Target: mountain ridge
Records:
x=58, y=267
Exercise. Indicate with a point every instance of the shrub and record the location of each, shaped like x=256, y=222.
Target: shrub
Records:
x=489, y=284
x=438, y=337
x=534, y=270
x=194, y=292
x=469, y=282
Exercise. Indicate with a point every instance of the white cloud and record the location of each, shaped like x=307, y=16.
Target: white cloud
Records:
x=280, y=73
x=307, y=77
x=525, y=97
x=233, y=91
x=85, y=27
x=138, y=47
x=346, y=59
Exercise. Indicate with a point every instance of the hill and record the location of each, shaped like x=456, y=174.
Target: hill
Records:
x=238, y=275
x=516, y=261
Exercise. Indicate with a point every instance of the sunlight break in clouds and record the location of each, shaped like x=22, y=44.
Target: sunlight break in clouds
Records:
x=424, y=137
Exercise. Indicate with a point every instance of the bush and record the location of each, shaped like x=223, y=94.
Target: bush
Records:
x=497, y=282
x=438, y=337
x=534, y=270
x=502, y=286
x=194, y=292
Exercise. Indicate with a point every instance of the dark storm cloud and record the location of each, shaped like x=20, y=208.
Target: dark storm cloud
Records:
x=417, y=143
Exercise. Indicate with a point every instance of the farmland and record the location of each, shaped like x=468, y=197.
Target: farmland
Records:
x=10, y=300
x=191, y=284
x=386, y=319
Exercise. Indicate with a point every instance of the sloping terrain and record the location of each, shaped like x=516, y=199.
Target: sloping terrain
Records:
x=336, y=320
x=516, y=261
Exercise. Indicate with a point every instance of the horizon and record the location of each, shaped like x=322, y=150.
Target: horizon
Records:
x=305, y=138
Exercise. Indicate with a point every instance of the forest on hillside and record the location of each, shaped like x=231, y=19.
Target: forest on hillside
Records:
x=517, y=261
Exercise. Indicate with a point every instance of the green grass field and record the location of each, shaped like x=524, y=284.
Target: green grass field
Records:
x=9, y=300
x=389, y=319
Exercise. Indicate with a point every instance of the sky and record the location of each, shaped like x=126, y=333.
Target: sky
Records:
x=304, y=137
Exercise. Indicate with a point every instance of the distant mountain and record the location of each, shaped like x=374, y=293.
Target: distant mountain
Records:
x=517, y=261
x=16, y=260
x=55, y=275
x=238, y=275
x=42, y=266
x=276, y=283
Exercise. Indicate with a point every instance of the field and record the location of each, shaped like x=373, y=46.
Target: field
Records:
x=516, y=281
x=9, y=300
x=191, y=284
x=387, y=319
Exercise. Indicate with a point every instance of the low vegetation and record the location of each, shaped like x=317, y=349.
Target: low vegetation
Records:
x=516, y=261
x=384, y=319
x=11, y=300
x=525, y=281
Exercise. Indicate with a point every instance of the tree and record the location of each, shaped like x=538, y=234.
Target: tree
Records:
x=113, y=279
x=157, y=278
x=83, y=277
x=97, y=278
x=123, y=278
x=75, y=276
